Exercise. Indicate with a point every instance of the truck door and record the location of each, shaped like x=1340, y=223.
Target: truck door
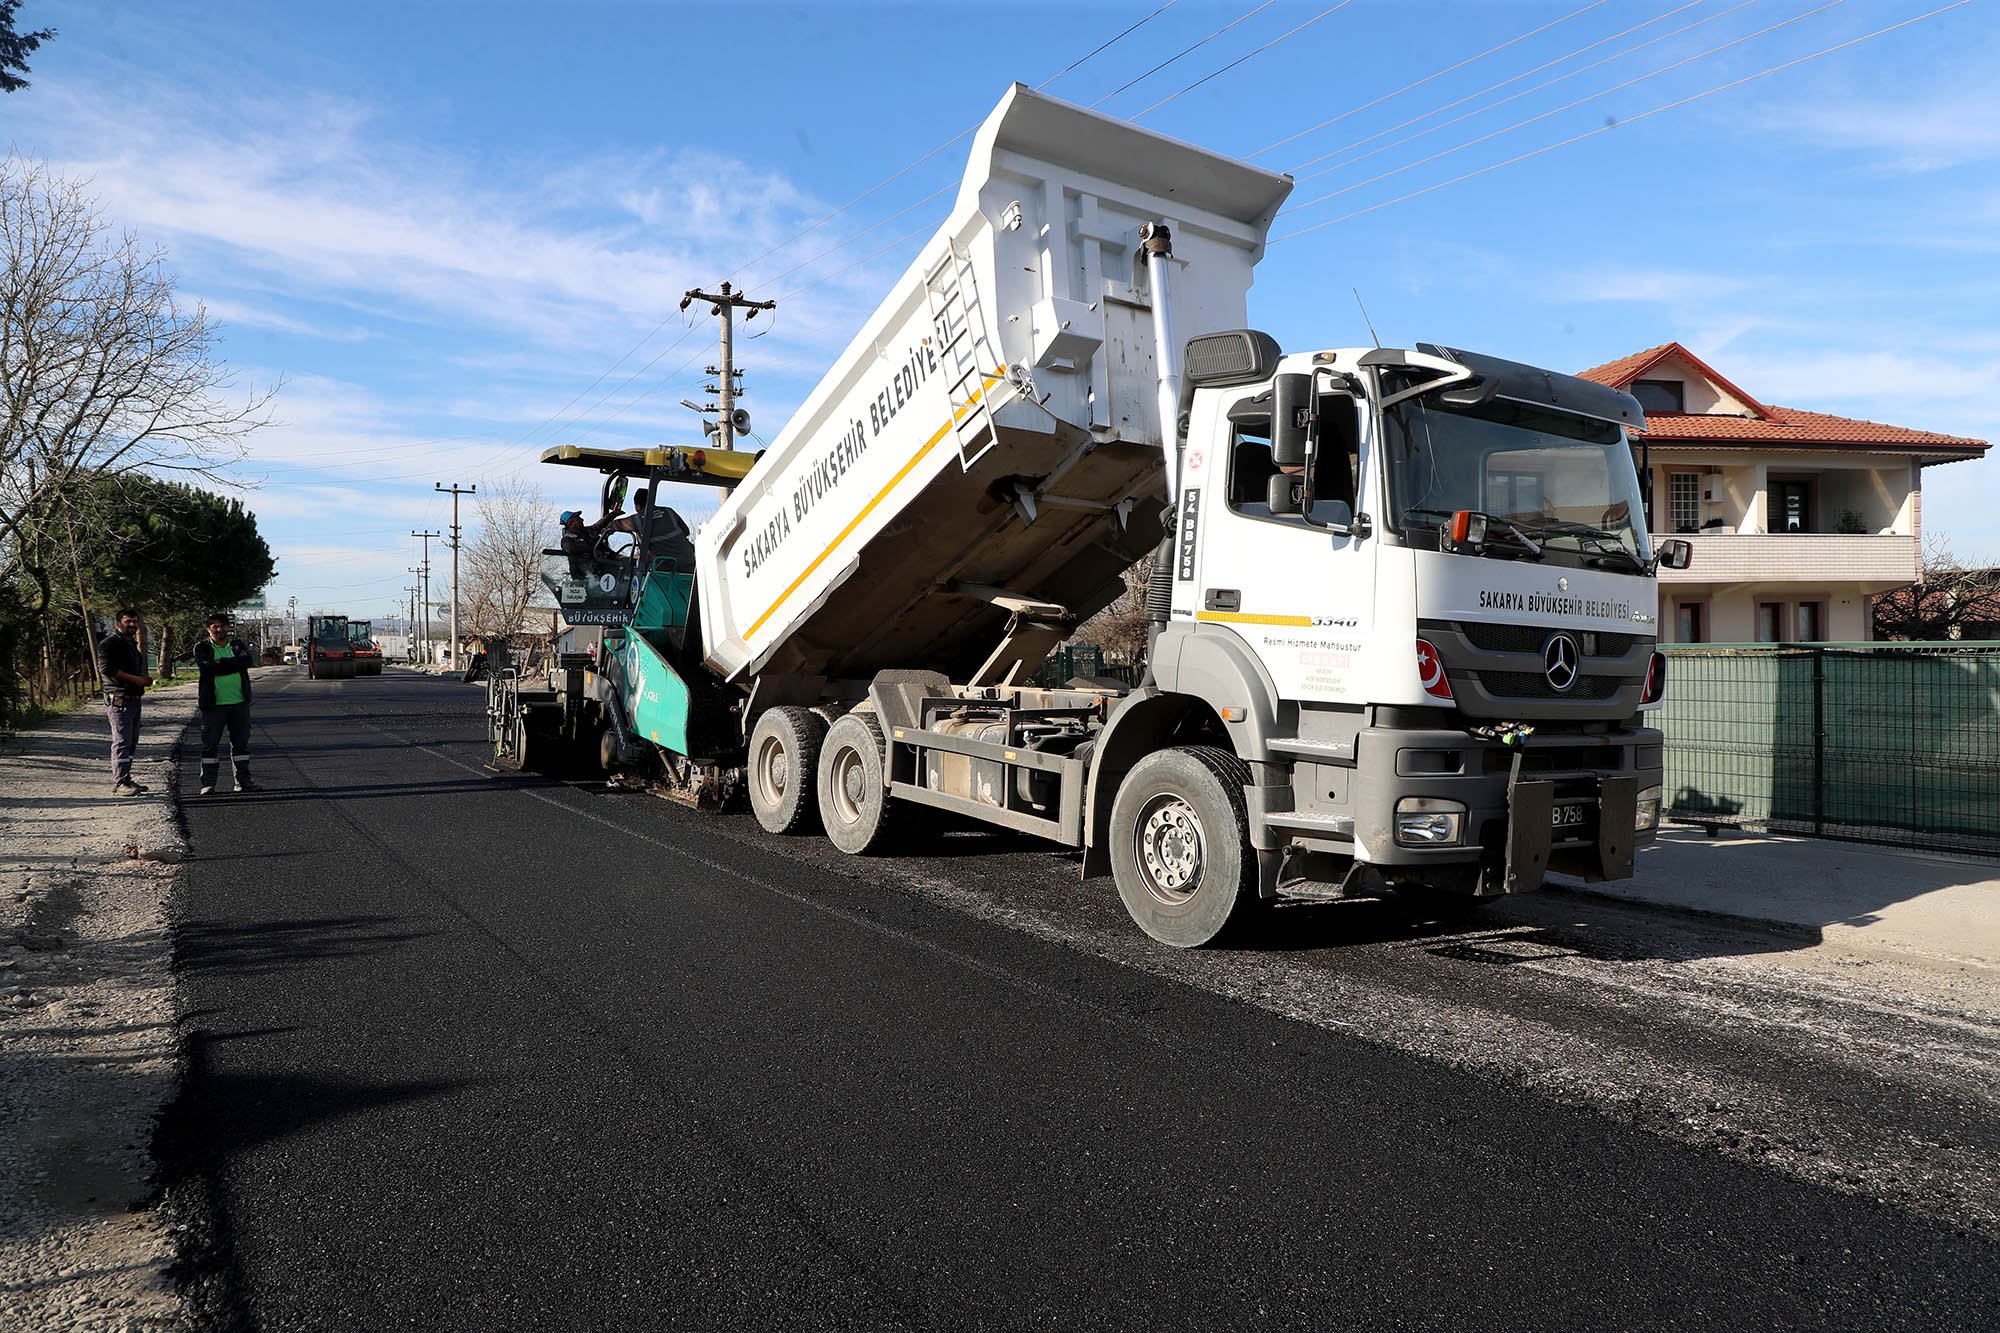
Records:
x=1297, y=592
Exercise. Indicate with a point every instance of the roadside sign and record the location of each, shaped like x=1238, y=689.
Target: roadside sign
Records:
x=251, y=603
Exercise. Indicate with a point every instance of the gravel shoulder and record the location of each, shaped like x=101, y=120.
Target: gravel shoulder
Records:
x=88, y=1042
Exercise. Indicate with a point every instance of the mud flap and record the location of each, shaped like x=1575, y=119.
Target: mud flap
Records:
x=1617, y=812
x=1528, y=835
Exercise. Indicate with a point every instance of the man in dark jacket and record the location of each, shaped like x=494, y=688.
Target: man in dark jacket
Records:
x=122, y=668
x=223, y=662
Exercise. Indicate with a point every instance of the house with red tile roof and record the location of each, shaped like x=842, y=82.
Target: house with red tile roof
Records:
x=1798, y=519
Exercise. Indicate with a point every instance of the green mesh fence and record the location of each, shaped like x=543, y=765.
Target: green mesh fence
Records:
x=1888, y=742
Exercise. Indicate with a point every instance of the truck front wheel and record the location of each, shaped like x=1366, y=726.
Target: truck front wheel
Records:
x=784, y=759
x=1180, y=846
x=853, y=797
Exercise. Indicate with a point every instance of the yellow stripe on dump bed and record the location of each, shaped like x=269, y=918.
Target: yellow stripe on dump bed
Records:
x=1252, y=618
x=880, y=495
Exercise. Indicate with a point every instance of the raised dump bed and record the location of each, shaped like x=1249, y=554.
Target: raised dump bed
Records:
x=989, y=444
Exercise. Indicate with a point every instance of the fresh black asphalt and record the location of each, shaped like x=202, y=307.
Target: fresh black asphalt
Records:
x=469, y=1051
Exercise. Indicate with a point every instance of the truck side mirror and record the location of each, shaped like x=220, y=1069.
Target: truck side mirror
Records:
x=1283, y=494
x=1337, y=515
x=1291, y=421
x=1675, y=554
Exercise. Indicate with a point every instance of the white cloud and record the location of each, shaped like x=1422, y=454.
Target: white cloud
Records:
x=314, y=200
x=1914, y=385
x=232, y=314
x=1689, y=288
x=1940, y=127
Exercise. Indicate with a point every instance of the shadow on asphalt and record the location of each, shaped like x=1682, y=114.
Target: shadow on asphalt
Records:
x=367, y=791
x=1496, y=935
x=278, y=946
x=191, y=1152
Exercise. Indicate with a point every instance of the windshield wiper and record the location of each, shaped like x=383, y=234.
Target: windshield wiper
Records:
x=1610, y=545
x=1505, y=526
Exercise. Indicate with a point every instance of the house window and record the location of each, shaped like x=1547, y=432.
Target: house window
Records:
x=1688, y=622
x=1660, y=395
x=1805, y=623
x=1684, y=501
x=1791, y=506
x=1770, y=622
x=1791, y=622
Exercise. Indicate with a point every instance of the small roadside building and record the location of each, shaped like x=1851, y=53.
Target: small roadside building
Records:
x=1798, y=519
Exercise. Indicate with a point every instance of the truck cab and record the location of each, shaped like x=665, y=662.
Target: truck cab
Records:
x=1429, y=568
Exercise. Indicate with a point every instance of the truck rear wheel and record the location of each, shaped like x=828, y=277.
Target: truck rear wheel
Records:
x=1180, y=846
x=784, y=766
x=853, y=796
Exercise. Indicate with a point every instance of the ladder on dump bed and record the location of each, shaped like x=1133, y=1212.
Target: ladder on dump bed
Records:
x=971, y=370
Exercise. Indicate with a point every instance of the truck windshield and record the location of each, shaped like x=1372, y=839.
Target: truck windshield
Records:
x=1564, y=481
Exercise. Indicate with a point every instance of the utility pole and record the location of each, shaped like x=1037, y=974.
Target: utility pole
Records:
x=425, y=571
x=292, y=620
x=724, y=306
x=410, y=625
x=454, y=492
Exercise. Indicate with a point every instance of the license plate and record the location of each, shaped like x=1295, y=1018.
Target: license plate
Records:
x=1567, y=816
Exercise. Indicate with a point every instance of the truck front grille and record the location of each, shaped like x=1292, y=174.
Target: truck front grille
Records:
x=1535, y=685
x=1530, y=638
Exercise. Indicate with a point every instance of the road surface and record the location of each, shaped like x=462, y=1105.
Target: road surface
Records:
x=480, y=1052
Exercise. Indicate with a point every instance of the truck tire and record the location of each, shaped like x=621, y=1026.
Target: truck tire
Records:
x=784, y=769
x=1180, y=846
x=853, y=795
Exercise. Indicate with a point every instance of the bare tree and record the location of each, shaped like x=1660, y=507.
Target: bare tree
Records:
x=1945, y=603
x=102, y=372
x=500, y=579
x=102, y=368
x=1120, y=628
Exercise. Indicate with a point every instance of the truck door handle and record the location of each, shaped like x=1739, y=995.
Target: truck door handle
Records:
x=1222, y=599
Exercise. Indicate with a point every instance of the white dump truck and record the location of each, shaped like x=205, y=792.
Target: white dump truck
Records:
x=1402, y=602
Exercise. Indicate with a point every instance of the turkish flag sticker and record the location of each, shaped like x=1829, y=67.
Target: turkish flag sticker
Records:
x=1430, y=671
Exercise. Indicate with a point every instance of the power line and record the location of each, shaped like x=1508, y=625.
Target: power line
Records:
x=900, y=240
x=1604, y=129
x=1408, y=87
x=1119, y=38
x=671, y=375
x=1513, y=97
x=944, y=189
x=1187, y=51
x=1568, y=106
x=808, y=230
x=1240, y=59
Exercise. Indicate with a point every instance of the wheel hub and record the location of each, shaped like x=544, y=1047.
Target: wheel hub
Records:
x=1170, y=849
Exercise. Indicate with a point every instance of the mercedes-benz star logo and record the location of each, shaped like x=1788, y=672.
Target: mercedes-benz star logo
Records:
x=1560, y=658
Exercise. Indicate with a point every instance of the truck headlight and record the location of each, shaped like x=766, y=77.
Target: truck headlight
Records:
x=1647, y=812
x=1426, y=821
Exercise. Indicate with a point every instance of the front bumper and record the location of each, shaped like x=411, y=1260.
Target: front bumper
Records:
x=1554, y=801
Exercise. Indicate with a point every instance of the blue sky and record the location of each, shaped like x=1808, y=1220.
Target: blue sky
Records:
x=442, y=225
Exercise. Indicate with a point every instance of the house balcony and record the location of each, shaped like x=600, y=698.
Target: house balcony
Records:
x=1882, y=560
